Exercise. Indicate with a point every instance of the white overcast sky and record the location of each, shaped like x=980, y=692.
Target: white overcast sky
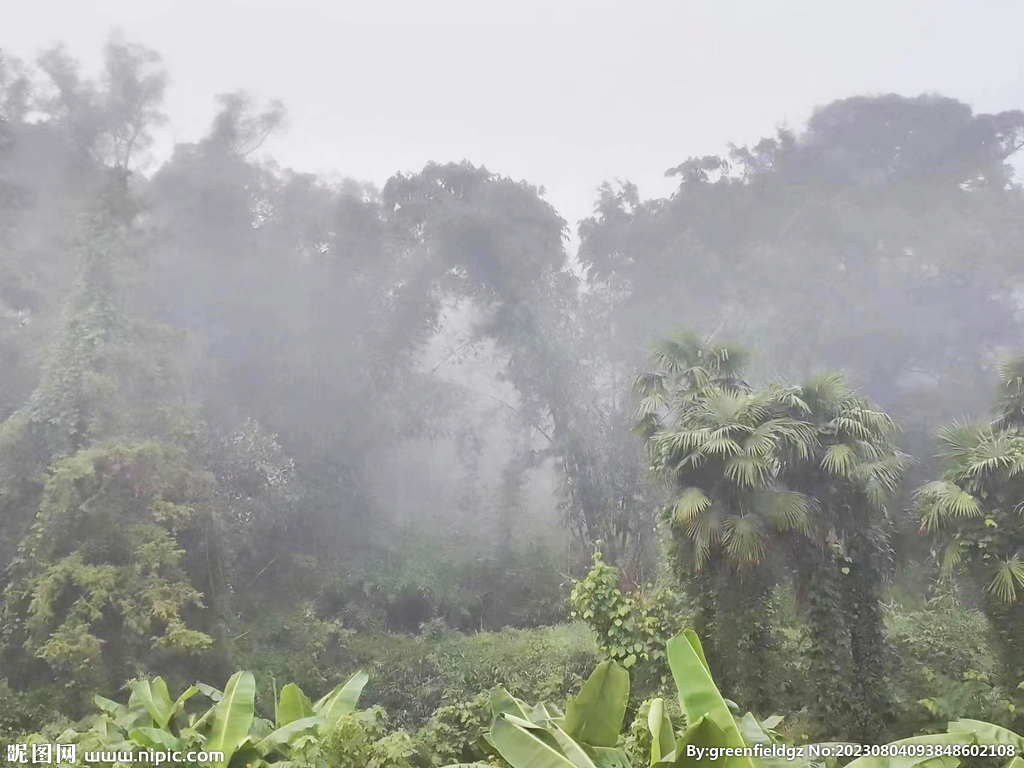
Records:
x=562, y=93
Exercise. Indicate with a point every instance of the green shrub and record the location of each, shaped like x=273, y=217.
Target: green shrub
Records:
x=454, y=732
x=413, y=676
x=22, y=713
x=363, y=740
x=947, y=668
x=631, y=629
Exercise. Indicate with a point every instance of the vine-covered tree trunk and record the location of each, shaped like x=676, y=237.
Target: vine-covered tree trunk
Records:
x=1007, y=619
x=820, y=593
x=706, y=624
x=862, y=589
x=754, y=622
x=738, y=618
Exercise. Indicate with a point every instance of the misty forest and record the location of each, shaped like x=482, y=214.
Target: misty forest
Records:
x=320, y=473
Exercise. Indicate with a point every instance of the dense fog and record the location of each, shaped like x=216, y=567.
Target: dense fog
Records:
x=256, y=418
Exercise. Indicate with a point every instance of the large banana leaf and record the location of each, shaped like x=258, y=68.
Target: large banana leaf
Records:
x=573, y=750
x=663, y=737
x=703, y=734
x=156, y=738
x=610, y=757
x=699, y=695
x=293, y=705
x=278, y=739
x=342, y=700
x=503, y=702
x=523, y=747
x=232, y=717
x=112, y=708
x=909, y=761
x=153, y=695
x=988, y=733
x=595, y=716
x=179, y=703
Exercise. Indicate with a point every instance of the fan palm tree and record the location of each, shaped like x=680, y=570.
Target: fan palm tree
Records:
x=1011, y=399
x=852, y=472
x=976, y=515
x=719, y=444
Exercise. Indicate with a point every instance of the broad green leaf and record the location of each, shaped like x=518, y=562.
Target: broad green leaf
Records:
x=153, y=695
x=697, y=691
x=694, y=641
x=988, y=733
x=908, y=761
x=188, y=693
x=342, y=700
x=753, y=733
x=210, y=692
x=610, y=757
x=522, y=749
x=595, y=716
x=702, y=734
x=571, y=749
x=543, y=712
x=503, y=702
x=663, y=739
x=112, y=708
x=151, y=738
x=133, y=717
x=232, y=717
x=280, y=737
x=293, y=705
x=260, y=729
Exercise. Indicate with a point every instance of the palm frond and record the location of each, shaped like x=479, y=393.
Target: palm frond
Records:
x=1007, y=577
x=952, y=556
x=839, y=459
x=744, y=539
x=786, y=510
x=961, y=436
x=705, y=529
x=826, y=390
x=789, y=397
x=691, y=502
x=949, y=499
x=1011, y=375
x=749, y=471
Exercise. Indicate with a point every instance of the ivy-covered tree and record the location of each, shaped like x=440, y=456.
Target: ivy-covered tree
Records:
x=720, y=444
x=852, y=472
x=975, y=514
x=102, y=485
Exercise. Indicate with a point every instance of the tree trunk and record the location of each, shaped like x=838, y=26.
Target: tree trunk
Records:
x=819, y=590
x=862, y=589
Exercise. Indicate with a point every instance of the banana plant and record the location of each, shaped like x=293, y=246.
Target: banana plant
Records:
x=151, y=720
x=587, y=735
x=992, y=734
x=300, y=725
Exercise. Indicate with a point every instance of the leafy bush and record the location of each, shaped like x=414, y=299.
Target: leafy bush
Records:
x=631, y=629
x=413, y=676
x=948, y=669
x=454, y=732
x=362, y=740
x=22, y=713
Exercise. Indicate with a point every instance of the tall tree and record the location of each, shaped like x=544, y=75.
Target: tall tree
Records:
x=975, y=514
x=852, y=473
x=720, y=444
